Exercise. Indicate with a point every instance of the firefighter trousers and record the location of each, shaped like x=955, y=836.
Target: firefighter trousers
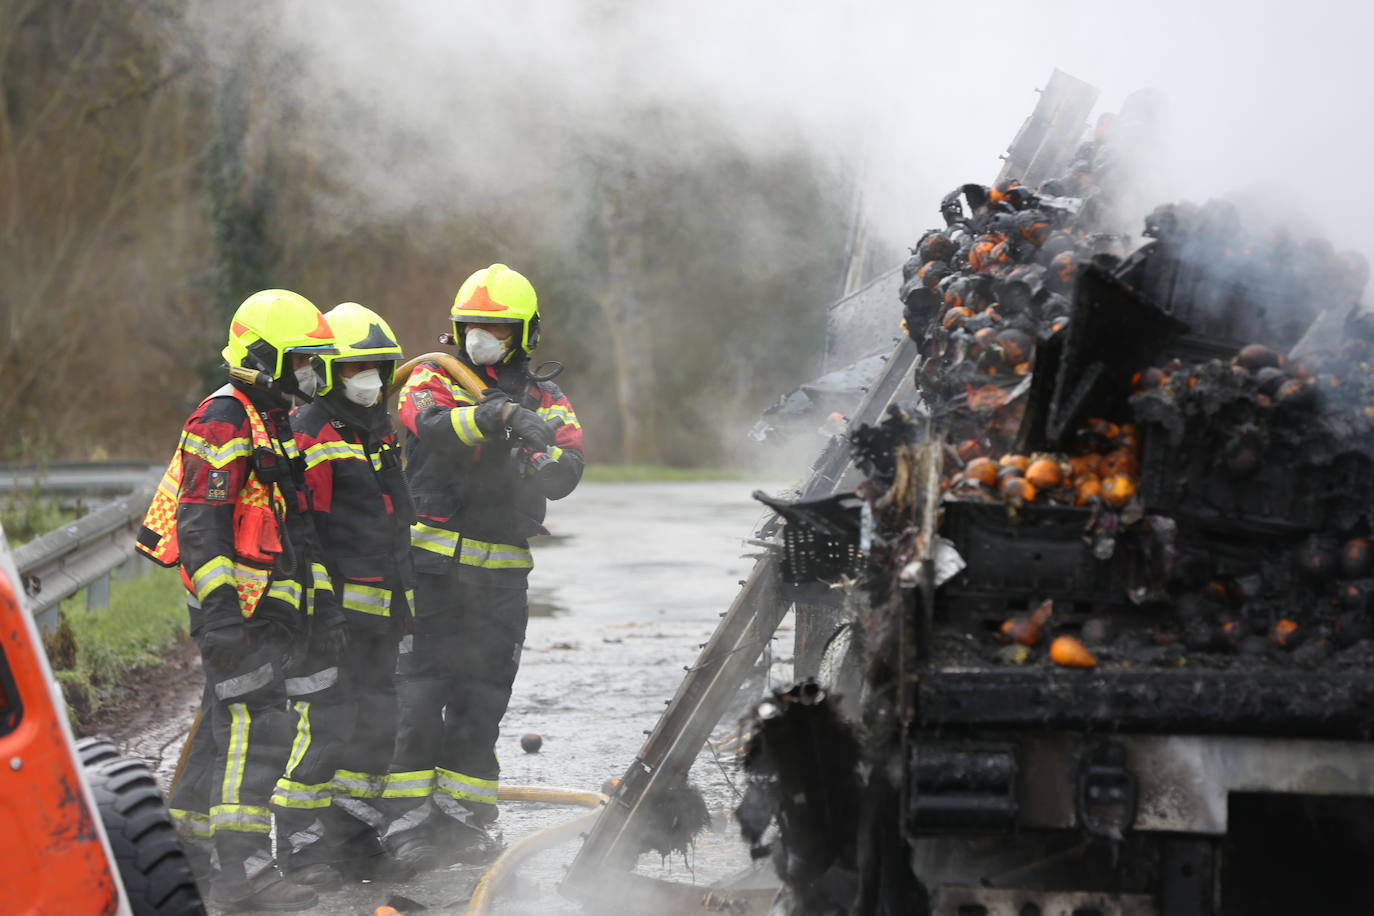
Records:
x=454, y=678
x=345, y=728
x=220, y=804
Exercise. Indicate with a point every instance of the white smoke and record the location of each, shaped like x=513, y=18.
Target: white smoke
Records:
x=491, y=100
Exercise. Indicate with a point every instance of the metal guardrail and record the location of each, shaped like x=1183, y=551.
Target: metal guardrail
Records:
x=69, y=477
x=82, y=555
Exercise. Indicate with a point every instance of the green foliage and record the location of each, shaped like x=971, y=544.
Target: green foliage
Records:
x=146, y=617
x=25, y=514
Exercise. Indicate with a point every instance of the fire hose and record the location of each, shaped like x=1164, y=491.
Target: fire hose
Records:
x=485, y=891
x=451, y=365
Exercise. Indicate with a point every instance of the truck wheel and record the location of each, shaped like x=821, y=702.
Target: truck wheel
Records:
x=156, y=876
x=96, y=749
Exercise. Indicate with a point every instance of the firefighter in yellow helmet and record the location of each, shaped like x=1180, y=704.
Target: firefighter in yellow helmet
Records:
x=481, y=467
x=229, y=512
x=361, y=507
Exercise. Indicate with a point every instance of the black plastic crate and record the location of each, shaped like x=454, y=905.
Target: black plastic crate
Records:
x=1209, y=277
x=1015, y=560
x=820, y=537
x=1282, y=497
x=809, y=555
x=1114, y=332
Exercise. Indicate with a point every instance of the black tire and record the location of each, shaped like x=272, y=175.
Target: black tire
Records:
x=95, y=749
x=156, y=876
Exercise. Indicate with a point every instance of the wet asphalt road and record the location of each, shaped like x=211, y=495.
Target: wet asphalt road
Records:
x=622, y=596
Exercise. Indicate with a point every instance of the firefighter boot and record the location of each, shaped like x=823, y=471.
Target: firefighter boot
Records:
x=363, y=858
x=270, y=894
x=248, y=880
x=476, y=845
x=414, y=853
x=466, y=840
x=317, y=875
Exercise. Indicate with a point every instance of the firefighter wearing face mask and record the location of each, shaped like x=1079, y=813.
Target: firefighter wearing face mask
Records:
x=327, y=821
x=481, y=469
x=230, y=511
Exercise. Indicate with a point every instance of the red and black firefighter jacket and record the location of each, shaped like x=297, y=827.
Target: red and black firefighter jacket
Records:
x=219, y=458
x=359, y=502
x=479, y=498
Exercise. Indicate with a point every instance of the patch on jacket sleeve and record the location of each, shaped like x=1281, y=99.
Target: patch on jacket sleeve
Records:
x=217, y=485
x=424, y=400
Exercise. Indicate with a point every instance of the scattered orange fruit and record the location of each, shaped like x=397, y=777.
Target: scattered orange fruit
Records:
x=1045, y=474
x=982, y=470
x=1120, y=461
x=1104, y=428
x=1069, y=652
x=1357, y=558
x=1118, y=489
x=1026, y=629
x=955, y=316
x=1017, y=490
x=1085, y=464
x=1282, y=632
x=1088, y=490
x=969, y=449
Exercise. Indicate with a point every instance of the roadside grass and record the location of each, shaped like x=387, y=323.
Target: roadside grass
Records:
x=27, y=514
x=94, y=651
x=645, y=473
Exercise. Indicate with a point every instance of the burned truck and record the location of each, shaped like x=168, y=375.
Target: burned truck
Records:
x=1107, y=645
x=1083, y=591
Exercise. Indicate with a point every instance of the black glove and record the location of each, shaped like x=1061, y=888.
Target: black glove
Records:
x=225, y=647
x=530, y=428
x=284, y=643
x=328, y=629
x=492, y=410
x=534, y=462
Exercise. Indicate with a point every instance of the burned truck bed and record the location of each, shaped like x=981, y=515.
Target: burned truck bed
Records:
x=960, y=689
x=1108, y=575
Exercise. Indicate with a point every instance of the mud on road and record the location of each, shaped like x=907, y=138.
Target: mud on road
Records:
x=623, y=594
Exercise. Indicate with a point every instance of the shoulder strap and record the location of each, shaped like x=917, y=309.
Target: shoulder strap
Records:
x=260, y=437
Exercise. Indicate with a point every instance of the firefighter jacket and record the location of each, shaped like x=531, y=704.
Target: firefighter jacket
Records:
x=238, y=527
x=359, y=501
x=478, y=499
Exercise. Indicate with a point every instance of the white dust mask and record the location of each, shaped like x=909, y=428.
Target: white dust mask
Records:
x=484, y=347
x=364, y=388
x=305, y=380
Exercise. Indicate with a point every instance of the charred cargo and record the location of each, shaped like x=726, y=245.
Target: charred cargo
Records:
x=1109, y=577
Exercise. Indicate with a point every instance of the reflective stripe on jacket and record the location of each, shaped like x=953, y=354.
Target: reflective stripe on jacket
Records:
x=216, y=466
x=475, y=510
x=360, y=506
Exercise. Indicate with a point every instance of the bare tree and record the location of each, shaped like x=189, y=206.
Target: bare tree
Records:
x=622, y=199
x=94, y=163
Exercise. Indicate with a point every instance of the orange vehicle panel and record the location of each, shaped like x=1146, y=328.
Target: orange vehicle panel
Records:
x=52, y=859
